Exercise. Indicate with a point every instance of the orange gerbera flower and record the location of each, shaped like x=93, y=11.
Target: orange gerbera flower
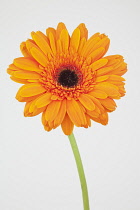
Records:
x=67, y=79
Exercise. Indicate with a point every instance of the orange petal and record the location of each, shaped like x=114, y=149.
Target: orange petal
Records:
x=102, y=43
x=93, y=113
x=51, y=30
x=96, y=102
x=101, y=78
x=97, y=54
x=61, y=114
x=39, y=33
x=116, y=78
x=42, y=43
x=88, y=121
x=89, y=46
x=99, y=94
x=119, y=67
x=60, y=27
x=31, y=110
x=59, y=46
x=83, y=109
x=75, y=113
x=47, y=128
x=24, y=50
x=81, y=45
x=27, y=64
x=13, y=67
x=98, y=64
x=64, y=38
x=108, y=103
x=52, y=42
x=122, y=69
x=31, y=89
x=26, y=75
x=30, y=43
x=104, y=71
x=104, y=118
x=86, y=102
x=43, y=100
x=38, y=111
x=21, y=81
x=114, y=59
x=83, y=31
x=26, y=99
x=26, y=109
x=33, y=80
x=45, y=123
x=39, y=56
x=52, y=110
x=75, y=39
x=110, y=89
x=67, y=125
x=34, y=110
x=32, y=107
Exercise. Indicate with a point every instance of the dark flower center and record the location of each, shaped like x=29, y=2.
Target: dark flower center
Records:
x=68, y=78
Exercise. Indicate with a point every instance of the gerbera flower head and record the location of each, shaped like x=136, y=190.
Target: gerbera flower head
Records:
x=67, y=78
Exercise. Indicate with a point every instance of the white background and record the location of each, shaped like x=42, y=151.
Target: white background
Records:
x=37, y=169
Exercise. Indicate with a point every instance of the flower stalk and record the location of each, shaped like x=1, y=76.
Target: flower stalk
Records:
x=80, y=171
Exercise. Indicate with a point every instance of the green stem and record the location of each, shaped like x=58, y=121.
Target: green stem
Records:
x=80, y=171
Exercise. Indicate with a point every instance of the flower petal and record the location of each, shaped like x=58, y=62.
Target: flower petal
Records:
x=22, y=81
x=61, y=114
x=26, y=75
x=88, y=121
x=67, y=125
x=51, y=30
x=81, y=45
x=27, y=64
x=110, y=89
x=99, y=94
x=98, y=64
x=26, y=109
x=42, y=43
x=52, y=43
x=108, y=103
x=64, y=38
x=102, y=43
x=89, y=46
x=60, y=27
x=39, y=33
x=39, y=56
x=97, y=54
x=97, y=103
x=75, y=39
x=24, y=50
x=116, y=78
x=101, y=78
x=31, y=110
x=104, y=71
x=59, y=46
x=31, y=89
x=104, y=118
x=92, y=113
x=86, y=102
x=83, y=31
x=43, y=100
x=75, y=113
x=30, y=43
x=52, y=110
